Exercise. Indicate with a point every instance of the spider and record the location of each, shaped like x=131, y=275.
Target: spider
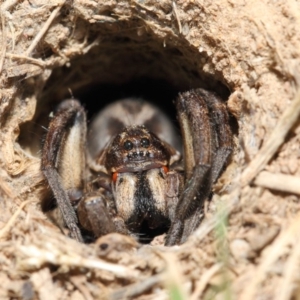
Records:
x=133, y=179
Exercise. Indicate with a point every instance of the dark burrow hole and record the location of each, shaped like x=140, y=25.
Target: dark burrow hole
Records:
x=158, y=92
x=152, y=72
x=121, y=67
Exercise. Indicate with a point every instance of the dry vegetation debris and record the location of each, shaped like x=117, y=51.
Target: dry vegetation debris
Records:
x=247, y=248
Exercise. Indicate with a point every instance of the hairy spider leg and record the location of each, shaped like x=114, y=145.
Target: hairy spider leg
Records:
x=222, y=145
x=94, y=216
x=223, y=134
x=63, y=160
x=204, y=140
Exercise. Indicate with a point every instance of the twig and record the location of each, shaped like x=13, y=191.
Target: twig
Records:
x=285, y=123
x=44, y=29
x=13, y=218
x=38, y=62
x=137, y=289
x=278, y=182
x=36, y=257
x=104, y=18
x=205, y=278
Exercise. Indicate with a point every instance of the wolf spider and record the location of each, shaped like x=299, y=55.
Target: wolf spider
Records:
x=133, y=180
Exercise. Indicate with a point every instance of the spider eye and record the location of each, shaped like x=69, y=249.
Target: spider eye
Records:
x=128, y=145
x=145, y=142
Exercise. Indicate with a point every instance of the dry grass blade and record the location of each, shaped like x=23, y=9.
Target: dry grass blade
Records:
x=79, y=281
x=205, y=280
x=4, y=42
x=176, y=16
x=290, y=235
x=285, y=123
x=174, y=278
x=8, y=4
x=210, y=224
x=290, y=275
x=278, y=182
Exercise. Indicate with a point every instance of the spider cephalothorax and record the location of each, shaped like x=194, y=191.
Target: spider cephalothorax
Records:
x=136, y=149
x=136, y=180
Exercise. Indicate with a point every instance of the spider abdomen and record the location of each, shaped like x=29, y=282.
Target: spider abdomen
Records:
x=140, y=198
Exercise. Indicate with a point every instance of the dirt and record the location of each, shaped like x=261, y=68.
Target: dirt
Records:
x=247, y=247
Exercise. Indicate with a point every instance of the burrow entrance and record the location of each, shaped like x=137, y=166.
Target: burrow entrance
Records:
x=119, y=67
